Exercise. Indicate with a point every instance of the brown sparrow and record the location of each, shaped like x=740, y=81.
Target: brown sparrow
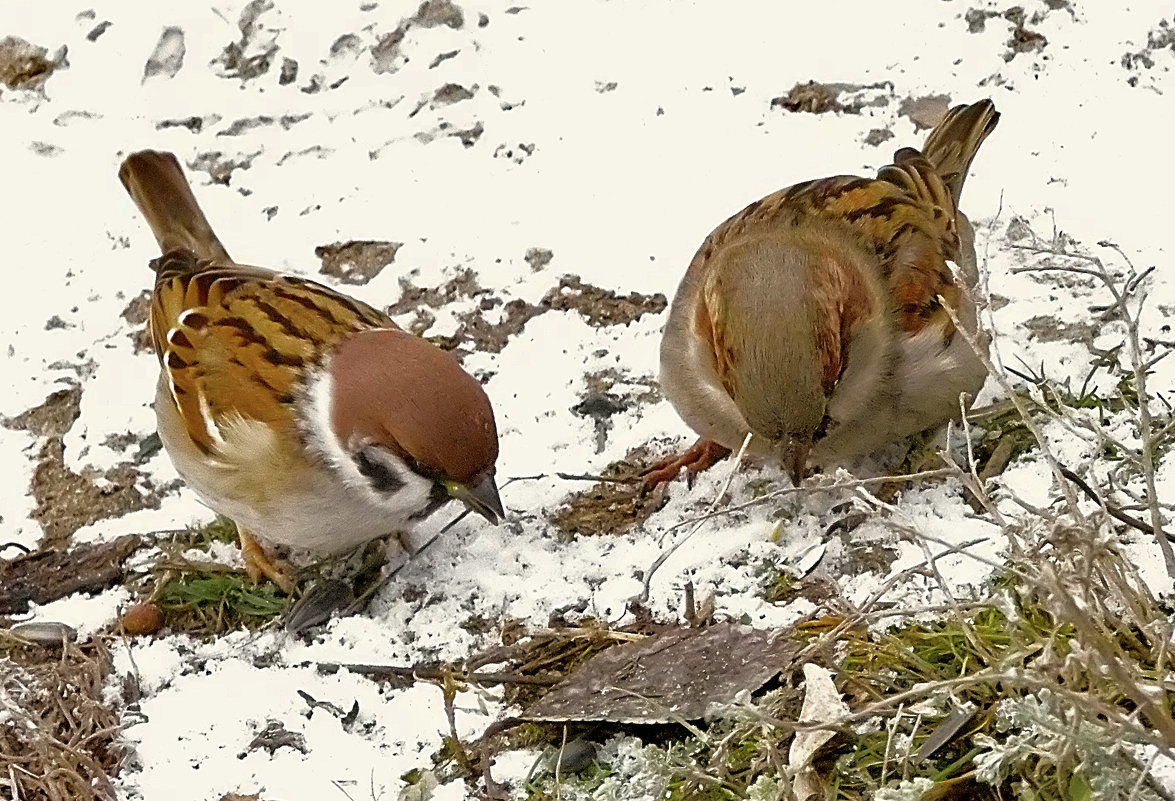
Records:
x=814, y=318
x=308, y=418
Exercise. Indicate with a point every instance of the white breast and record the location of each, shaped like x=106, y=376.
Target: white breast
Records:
x=280, y=494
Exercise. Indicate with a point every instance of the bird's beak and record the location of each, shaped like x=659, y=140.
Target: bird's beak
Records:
x=481, y=496
x=794, y=455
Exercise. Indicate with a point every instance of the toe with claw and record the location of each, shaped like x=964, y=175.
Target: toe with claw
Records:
x=259, y=564
x=702, y=455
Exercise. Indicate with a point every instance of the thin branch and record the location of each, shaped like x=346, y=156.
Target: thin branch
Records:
x=1111, y=510
x=438, y=674
x=1122, y=295
x=590, y=477
x=664, y=555
x=1017, y=401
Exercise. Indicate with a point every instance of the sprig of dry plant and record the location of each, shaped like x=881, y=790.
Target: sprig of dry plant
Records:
x=1054, y=684
x=57, y=737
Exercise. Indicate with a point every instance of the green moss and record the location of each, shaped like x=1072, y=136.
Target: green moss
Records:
x=688, y=790
x=213, y=603
x=759, y=487
x=530, y=735
x=542, y=786
x=221, y=529
x=779, y=587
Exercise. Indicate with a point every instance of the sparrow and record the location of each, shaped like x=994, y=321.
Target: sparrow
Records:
x=816, y=319
x=307, y=417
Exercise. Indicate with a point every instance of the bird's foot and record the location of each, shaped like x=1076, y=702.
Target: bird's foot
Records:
x=702, y=455
x=259, y=564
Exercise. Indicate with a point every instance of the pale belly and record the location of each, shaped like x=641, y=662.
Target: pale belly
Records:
x=278, y=494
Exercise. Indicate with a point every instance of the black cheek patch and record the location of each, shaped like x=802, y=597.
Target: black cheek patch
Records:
x=382, y=477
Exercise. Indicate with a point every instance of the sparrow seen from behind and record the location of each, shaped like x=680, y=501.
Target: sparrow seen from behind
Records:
x=815, y=318
x=307, y=417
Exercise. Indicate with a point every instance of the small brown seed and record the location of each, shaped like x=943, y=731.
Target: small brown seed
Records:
x=142, y=618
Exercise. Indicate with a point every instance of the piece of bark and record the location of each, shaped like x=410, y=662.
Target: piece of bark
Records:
x=48, y=574
x=676, y=675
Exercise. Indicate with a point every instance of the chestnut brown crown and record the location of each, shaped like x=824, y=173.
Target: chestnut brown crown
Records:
x=399, y=391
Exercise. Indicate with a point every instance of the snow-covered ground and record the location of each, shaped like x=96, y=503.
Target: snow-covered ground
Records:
x=614, y=135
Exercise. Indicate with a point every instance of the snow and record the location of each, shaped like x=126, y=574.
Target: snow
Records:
x=621, y=184
x=85, y=613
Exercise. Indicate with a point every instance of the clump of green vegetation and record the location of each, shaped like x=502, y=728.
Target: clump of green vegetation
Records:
x=215, y=602
x=221, y=529
x=779, y=587
x=1017, y=696
x=672, y=771
x=208, y=599
x=946, y=653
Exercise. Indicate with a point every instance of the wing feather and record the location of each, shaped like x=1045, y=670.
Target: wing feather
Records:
x=237, y=341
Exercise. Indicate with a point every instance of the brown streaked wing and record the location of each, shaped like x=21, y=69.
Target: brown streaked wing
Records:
x=917, y=178
x=246, y=337
x=908, y=217
x=182, y=283
x=918, y=274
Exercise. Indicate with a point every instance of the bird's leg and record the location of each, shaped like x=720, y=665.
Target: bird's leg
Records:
x=258, y=564
x=702, y=455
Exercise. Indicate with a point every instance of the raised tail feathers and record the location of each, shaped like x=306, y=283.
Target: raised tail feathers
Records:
x=953, y=143
x=158, y=187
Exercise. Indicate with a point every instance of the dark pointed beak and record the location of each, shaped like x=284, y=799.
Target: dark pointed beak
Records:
x=794, y=455
x=481, y=496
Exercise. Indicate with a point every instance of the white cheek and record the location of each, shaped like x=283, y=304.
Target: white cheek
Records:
x=321, y=437
x=414, y=493
x=317, y=426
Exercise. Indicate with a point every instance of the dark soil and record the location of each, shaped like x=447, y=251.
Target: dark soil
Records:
x=220, y=166
x=600, y=403
x=611, y=507
x=24, y=65
x=356, y=262
x=814, y=97
x=491, y=337
x=137, y=312
x=601, y=307
x=463, y=285
x=65, y=500
x=925, y=112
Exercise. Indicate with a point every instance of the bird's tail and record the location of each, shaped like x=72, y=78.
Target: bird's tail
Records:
x=156, y=183
x=953, y=143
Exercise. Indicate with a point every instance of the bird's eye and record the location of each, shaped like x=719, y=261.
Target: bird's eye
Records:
x=374, y=466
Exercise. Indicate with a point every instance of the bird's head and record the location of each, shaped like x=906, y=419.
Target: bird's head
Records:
x=403, y=411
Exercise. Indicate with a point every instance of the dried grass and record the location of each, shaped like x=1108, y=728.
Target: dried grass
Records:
x=57, y=737
x=1052, y=683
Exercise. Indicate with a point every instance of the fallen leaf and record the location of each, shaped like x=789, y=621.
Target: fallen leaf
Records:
x=675, y=675
x=822, y=704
